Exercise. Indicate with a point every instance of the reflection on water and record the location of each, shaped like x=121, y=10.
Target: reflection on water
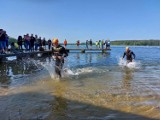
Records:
x=11, y=72
x=4, y=74
x=127, y=78
x=59, y=105
x=96, y=87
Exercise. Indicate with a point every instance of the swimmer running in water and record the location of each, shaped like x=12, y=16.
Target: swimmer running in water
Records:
x=59, y=52
x=130, y=56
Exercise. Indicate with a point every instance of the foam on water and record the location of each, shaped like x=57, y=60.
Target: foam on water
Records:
x=66, y=71
x=50, y=68
x=81, y=71
x=11, y=58
x=85, y=70
x=132, y=65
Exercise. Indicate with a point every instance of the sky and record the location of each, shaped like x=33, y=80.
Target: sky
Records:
x=82, y=19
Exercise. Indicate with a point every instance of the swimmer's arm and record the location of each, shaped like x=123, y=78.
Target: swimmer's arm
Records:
x=65, y=53
x=133, y=55
x=124, y=55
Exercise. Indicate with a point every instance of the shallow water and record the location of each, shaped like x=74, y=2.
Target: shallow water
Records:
x=94, y=86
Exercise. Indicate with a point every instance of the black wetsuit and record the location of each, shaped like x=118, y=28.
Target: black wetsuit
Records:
x=59, y=51
x=129, y=55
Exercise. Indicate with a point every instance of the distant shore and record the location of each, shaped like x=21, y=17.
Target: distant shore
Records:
x=136, y=42
x=117, y=42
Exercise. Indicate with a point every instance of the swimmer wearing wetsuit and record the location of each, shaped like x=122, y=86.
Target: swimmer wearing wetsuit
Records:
x=59, y=52
x=130, y=56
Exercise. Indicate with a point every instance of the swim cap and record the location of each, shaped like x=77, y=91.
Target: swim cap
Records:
x=127, y=48
x=55, y=41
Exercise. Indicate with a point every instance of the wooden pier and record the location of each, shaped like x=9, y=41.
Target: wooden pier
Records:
x=87, y=50
x=23, y=54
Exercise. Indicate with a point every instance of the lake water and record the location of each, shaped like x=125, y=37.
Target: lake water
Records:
x=94, y=86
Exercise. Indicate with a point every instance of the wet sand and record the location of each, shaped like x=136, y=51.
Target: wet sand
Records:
x=66, y=100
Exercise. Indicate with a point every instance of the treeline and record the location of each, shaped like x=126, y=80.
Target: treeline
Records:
x=118, y=42
x=137, y=42
x=11, y=39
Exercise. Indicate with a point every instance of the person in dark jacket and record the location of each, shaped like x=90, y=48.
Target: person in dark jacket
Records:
x=32, y=41
x=87, y=44
x=2, y=41
x=20, y=40
x=49, y=44
x=44, y=43
x=90, y=42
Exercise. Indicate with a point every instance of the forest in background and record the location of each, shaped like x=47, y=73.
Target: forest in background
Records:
x=137, y=42
x=118, y=42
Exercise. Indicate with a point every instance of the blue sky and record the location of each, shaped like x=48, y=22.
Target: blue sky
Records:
x=82, y=19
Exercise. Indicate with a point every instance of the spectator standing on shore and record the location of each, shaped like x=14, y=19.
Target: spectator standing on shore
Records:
x=49, y=44
x=78, y=43
x=87, y=44
x=25, y=41
x=28, y=42
x=36, y=42
x=1, y=31
x=39, y=42
x=5, y=42
x=102, y=44
x=2, y=41
x=32, y=40
x=90, y=43
x=65, y=43
x=97, y=43
x=7, y=38
x=44, y=43
x=20, y=39
x=107, y=42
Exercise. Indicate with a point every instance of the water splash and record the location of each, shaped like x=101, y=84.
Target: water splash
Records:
x=85, y=70
x=68, y=71
x=131, y=65
x=78, y=71
x=11, y=58
x=50, y=67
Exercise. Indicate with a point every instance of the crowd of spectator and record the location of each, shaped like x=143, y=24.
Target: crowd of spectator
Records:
x=26, y=42
x=33, y=43
x=101, y=44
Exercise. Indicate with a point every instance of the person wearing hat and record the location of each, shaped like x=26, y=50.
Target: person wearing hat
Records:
x=59, y=52
x=130, y=56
